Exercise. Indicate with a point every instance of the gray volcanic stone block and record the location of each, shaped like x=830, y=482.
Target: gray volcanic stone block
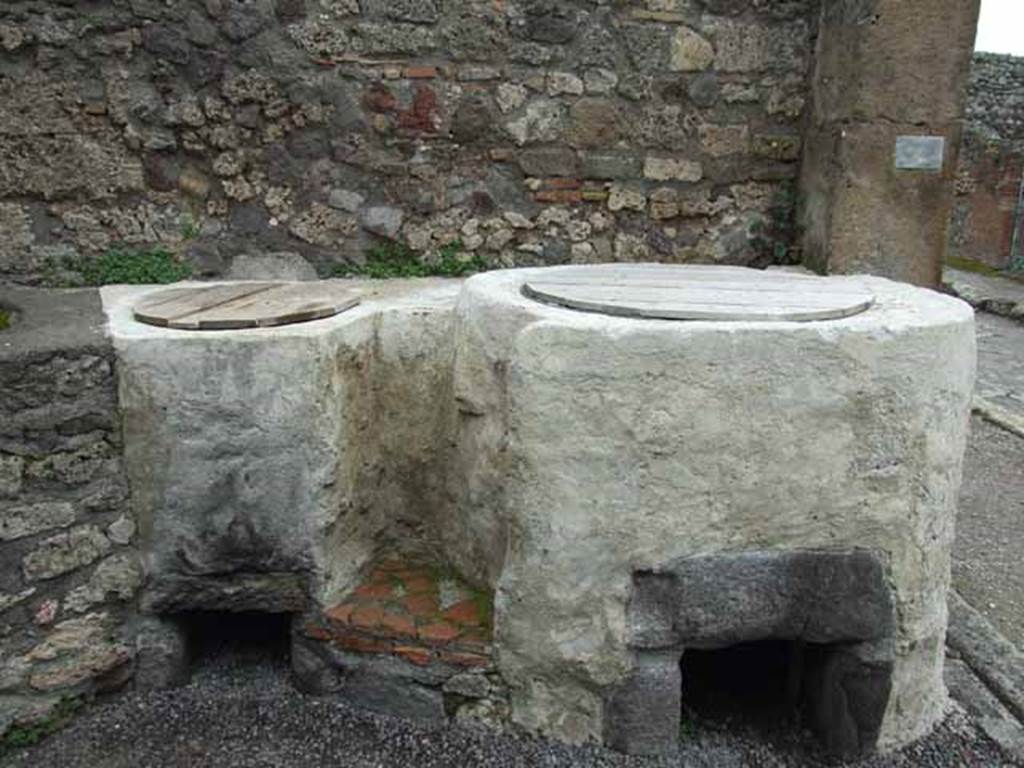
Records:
x=161, y=653
x=312, y=672
x=394, y=696
x=644, y=713
x=834, y=601
x=711, y=601
x=847, y=690
x=228, y=591
x=376, y=682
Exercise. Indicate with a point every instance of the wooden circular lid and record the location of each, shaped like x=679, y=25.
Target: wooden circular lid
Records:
x=679, y=292
x=243, y=305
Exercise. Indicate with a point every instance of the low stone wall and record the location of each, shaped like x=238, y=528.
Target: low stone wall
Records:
x=68, y=567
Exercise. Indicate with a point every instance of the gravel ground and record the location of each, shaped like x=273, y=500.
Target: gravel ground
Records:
x=242, y=712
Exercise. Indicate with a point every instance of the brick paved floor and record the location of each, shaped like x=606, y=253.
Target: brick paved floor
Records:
x=417, y=611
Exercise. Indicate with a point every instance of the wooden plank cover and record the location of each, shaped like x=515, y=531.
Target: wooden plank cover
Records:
x=679, y=292
x=243, y=305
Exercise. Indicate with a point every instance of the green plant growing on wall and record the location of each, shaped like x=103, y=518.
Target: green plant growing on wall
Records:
x=773, y=235
x=19, y=736
x=190, y=228
x=394, y=260
x=119, y=265
x=5, y=320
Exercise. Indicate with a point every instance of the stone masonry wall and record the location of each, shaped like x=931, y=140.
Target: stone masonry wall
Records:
x=995, y=96
x=987, y=220
x=530, y=131
x=68, y=570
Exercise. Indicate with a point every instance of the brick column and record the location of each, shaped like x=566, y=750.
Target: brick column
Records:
x=876, y=194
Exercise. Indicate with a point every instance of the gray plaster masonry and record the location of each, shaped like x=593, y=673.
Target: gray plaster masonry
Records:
x=555, y=456
x=592, y=447
x=268, y=465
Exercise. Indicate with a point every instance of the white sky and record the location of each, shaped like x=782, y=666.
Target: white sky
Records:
x=1001, y=29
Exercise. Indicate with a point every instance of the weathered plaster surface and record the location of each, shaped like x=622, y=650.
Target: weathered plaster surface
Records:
x=279, y=460
x=550, y=455
x=590, y=447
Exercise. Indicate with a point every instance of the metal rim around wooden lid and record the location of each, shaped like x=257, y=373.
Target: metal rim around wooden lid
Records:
x=238, y=306
x=682, y=292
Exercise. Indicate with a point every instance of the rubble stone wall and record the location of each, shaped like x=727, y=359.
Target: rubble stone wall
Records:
x=531, y=132
x=995, y=96
x=68, y=567
x=987, y=207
